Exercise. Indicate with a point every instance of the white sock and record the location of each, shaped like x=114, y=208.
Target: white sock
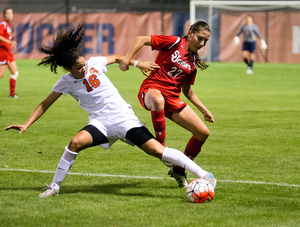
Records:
x=178, y=158
x=14, y=76
x=64, y=165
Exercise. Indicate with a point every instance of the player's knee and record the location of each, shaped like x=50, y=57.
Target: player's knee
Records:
x=205, y=132
x=154, y=100
x=158, y=102
x=75, y=145
x=202, y=135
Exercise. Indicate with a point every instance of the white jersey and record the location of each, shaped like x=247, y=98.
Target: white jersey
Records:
x=95, y=93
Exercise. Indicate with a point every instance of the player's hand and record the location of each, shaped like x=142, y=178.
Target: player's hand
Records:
x=236, y=40
x=147, y=66
x=123, y=66
x=22, y=128
x=263, y=44
x=208, y=117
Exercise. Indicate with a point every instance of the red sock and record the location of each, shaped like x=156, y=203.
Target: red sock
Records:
x=192, y=149
x=12, y=85
x=159, y=124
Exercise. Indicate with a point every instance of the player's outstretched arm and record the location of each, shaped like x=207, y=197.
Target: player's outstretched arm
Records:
x=37, y=113
x=139, y=42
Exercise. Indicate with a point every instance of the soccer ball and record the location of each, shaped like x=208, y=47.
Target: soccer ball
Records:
x=200, y=191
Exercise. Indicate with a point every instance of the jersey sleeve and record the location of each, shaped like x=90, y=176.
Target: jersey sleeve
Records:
x=100, y=62
x=2, y=27
x=163, y=42
x=60, y=86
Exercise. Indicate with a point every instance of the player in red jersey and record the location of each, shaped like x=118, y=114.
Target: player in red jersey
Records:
x=6, y=57
x=160, y=91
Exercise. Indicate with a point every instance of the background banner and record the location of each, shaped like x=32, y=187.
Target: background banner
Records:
x=113, y=33
x=106, y=33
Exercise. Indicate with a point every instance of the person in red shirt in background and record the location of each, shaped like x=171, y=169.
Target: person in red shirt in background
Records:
x=160, y=91
x=6, y=57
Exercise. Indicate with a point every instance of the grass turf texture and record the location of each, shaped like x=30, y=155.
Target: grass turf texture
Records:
x=253, y=150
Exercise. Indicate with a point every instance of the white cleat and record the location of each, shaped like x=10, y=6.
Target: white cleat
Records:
x=13, y=96
x=50, y=191
x=210, y=178
x=249, y=70
x=181, y=179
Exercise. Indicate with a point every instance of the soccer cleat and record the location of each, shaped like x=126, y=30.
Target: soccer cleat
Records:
x=50, y=191
x=181, y=179
x=13, y=96
x=249, y=70
x=210, y=178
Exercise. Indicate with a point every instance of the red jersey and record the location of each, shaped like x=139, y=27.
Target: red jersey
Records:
x=5, y=31
x=177, y=66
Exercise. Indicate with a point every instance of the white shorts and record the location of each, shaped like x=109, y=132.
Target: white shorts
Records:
x=116, y=128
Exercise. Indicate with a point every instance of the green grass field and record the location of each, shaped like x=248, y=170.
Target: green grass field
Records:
x=253, y=151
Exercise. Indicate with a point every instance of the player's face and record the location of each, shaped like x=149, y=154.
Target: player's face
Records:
x=78, y=70
x=249, y=20
x=8, y=15
x=197, y=40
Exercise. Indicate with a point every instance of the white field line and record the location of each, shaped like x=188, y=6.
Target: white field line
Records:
x=144, y=177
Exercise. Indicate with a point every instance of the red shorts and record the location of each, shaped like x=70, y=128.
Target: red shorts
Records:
x=6, y=57
x=171, y=103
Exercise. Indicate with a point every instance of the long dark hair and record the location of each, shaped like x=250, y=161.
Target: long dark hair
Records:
x=65, y=50
x=199, y=26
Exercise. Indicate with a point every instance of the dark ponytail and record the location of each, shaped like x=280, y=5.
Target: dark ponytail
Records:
x=65, y=50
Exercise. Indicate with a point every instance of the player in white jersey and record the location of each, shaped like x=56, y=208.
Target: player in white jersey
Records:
x=108, y=111
x=110, y=117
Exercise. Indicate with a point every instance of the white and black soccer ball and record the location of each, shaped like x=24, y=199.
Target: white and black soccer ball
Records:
x=200, y=191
